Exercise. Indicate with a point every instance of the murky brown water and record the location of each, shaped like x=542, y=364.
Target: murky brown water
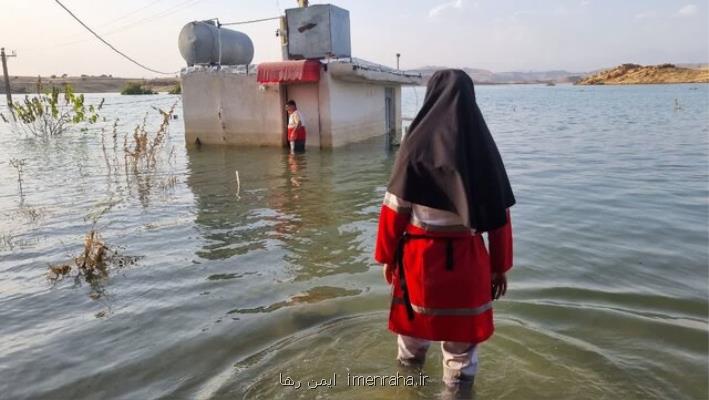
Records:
x=608, y=299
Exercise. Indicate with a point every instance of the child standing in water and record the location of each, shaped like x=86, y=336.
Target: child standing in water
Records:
x=296, y=128
x=448, y=186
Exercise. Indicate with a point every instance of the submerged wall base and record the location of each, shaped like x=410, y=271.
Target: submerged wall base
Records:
x=229, y=108
x=222, y=107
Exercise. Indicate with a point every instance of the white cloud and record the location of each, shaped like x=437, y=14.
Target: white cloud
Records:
x=687, y=11
x=437, y=10
x=646, y=15
x=585, y=3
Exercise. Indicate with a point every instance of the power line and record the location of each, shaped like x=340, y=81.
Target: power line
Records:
x=130, y=25
x=112, y=22
x=160, y=14
x=250, y=22
x=124, y=16
x=109, y=44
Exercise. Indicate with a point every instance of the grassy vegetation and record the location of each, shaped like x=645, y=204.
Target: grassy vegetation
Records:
x=136, y=88
x=51, y=113
x=138, y=166
x=177, y=89
x=92, y=265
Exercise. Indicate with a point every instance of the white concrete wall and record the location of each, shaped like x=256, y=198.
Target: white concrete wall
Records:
x=355, y=111
x=220, y=107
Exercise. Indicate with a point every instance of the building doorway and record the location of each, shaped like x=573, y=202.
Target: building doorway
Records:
x=389, y=115
x=307, y=100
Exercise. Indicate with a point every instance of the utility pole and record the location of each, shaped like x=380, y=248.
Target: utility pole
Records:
x=8, y=90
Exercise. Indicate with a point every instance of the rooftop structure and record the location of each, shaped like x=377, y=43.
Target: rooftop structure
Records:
x=342, y=99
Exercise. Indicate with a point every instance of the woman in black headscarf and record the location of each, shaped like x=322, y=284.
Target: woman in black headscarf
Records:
x=448, y=186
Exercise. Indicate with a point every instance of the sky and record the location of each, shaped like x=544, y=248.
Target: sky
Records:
x=498, y=35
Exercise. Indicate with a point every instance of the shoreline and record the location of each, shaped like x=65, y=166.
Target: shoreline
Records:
x=22, y=85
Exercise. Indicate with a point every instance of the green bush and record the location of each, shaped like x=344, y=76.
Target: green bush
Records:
x=51, y=113
x=136, y=88
x=177, y=89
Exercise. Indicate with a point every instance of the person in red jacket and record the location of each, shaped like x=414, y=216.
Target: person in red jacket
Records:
x=296, y=128
x=448, y=187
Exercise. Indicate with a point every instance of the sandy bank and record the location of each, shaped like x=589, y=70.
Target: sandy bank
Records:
x=633, y=74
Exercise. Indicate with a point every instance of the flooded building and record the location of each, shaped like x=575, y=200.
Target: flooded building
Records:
x=343, y=99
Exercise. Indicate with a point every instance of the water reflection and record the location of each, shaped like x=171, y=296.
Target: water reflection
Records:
x=314, y=295
x=307, y=208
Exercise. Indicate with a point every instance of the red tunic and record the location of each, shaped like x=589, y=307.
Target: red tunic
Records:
x=296, y=134
x=449, y=285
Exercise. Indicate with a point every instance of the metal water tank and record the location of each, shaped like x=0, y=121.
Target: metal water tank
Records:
x=318, y=31
x=199, y=44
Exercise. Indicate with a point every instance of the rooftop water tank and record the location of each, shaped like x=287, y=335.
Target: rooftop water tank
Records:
x=199, y=44
x=318, y=31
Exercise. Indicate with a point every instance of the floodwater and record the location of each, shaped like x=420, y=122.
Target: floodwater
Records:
x=240, y=286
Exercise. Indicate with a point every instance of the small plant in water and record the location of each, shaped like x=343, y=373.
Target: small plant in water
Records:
x=6, y=242
x=143, y=150
x=92, y=265
x=32, y=214
x=49, y=114
x=19, y=165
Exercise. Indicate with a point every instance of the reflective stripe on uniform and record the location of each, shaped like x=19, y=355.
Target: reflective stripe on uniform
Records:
x=396, y=204
x=415, y=221
x=446, y=311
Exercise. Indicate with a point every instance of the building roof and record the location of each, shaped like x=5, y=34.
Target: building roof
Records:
x=358, y=70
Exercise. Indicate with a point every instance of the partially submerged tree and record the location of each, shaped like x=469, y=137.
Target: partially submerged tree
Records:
x=51, y=113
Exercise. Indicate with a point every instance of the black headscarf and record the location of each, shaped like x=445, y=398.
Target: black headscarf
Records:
x=448, y=159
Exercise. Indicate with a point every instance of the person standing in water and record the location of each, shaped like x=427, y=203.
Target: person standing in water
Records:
x=447, y=188
x=296, y=128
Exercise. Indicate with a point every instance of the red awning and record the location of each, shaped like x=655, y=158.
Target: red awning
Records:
x=301, y=71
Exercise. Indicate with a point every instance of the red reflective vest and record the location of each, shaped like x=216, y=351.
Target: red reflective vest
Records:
x=447, y=278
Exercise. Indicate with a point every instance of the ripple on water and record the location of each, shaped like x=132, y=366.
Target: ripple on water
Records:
x=607, y=299
x=521, y=362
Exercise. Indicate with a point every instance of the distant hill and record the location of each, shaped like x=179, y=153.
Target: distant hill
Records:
x=485, y=77
x=630, y=74
x=620, y=75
